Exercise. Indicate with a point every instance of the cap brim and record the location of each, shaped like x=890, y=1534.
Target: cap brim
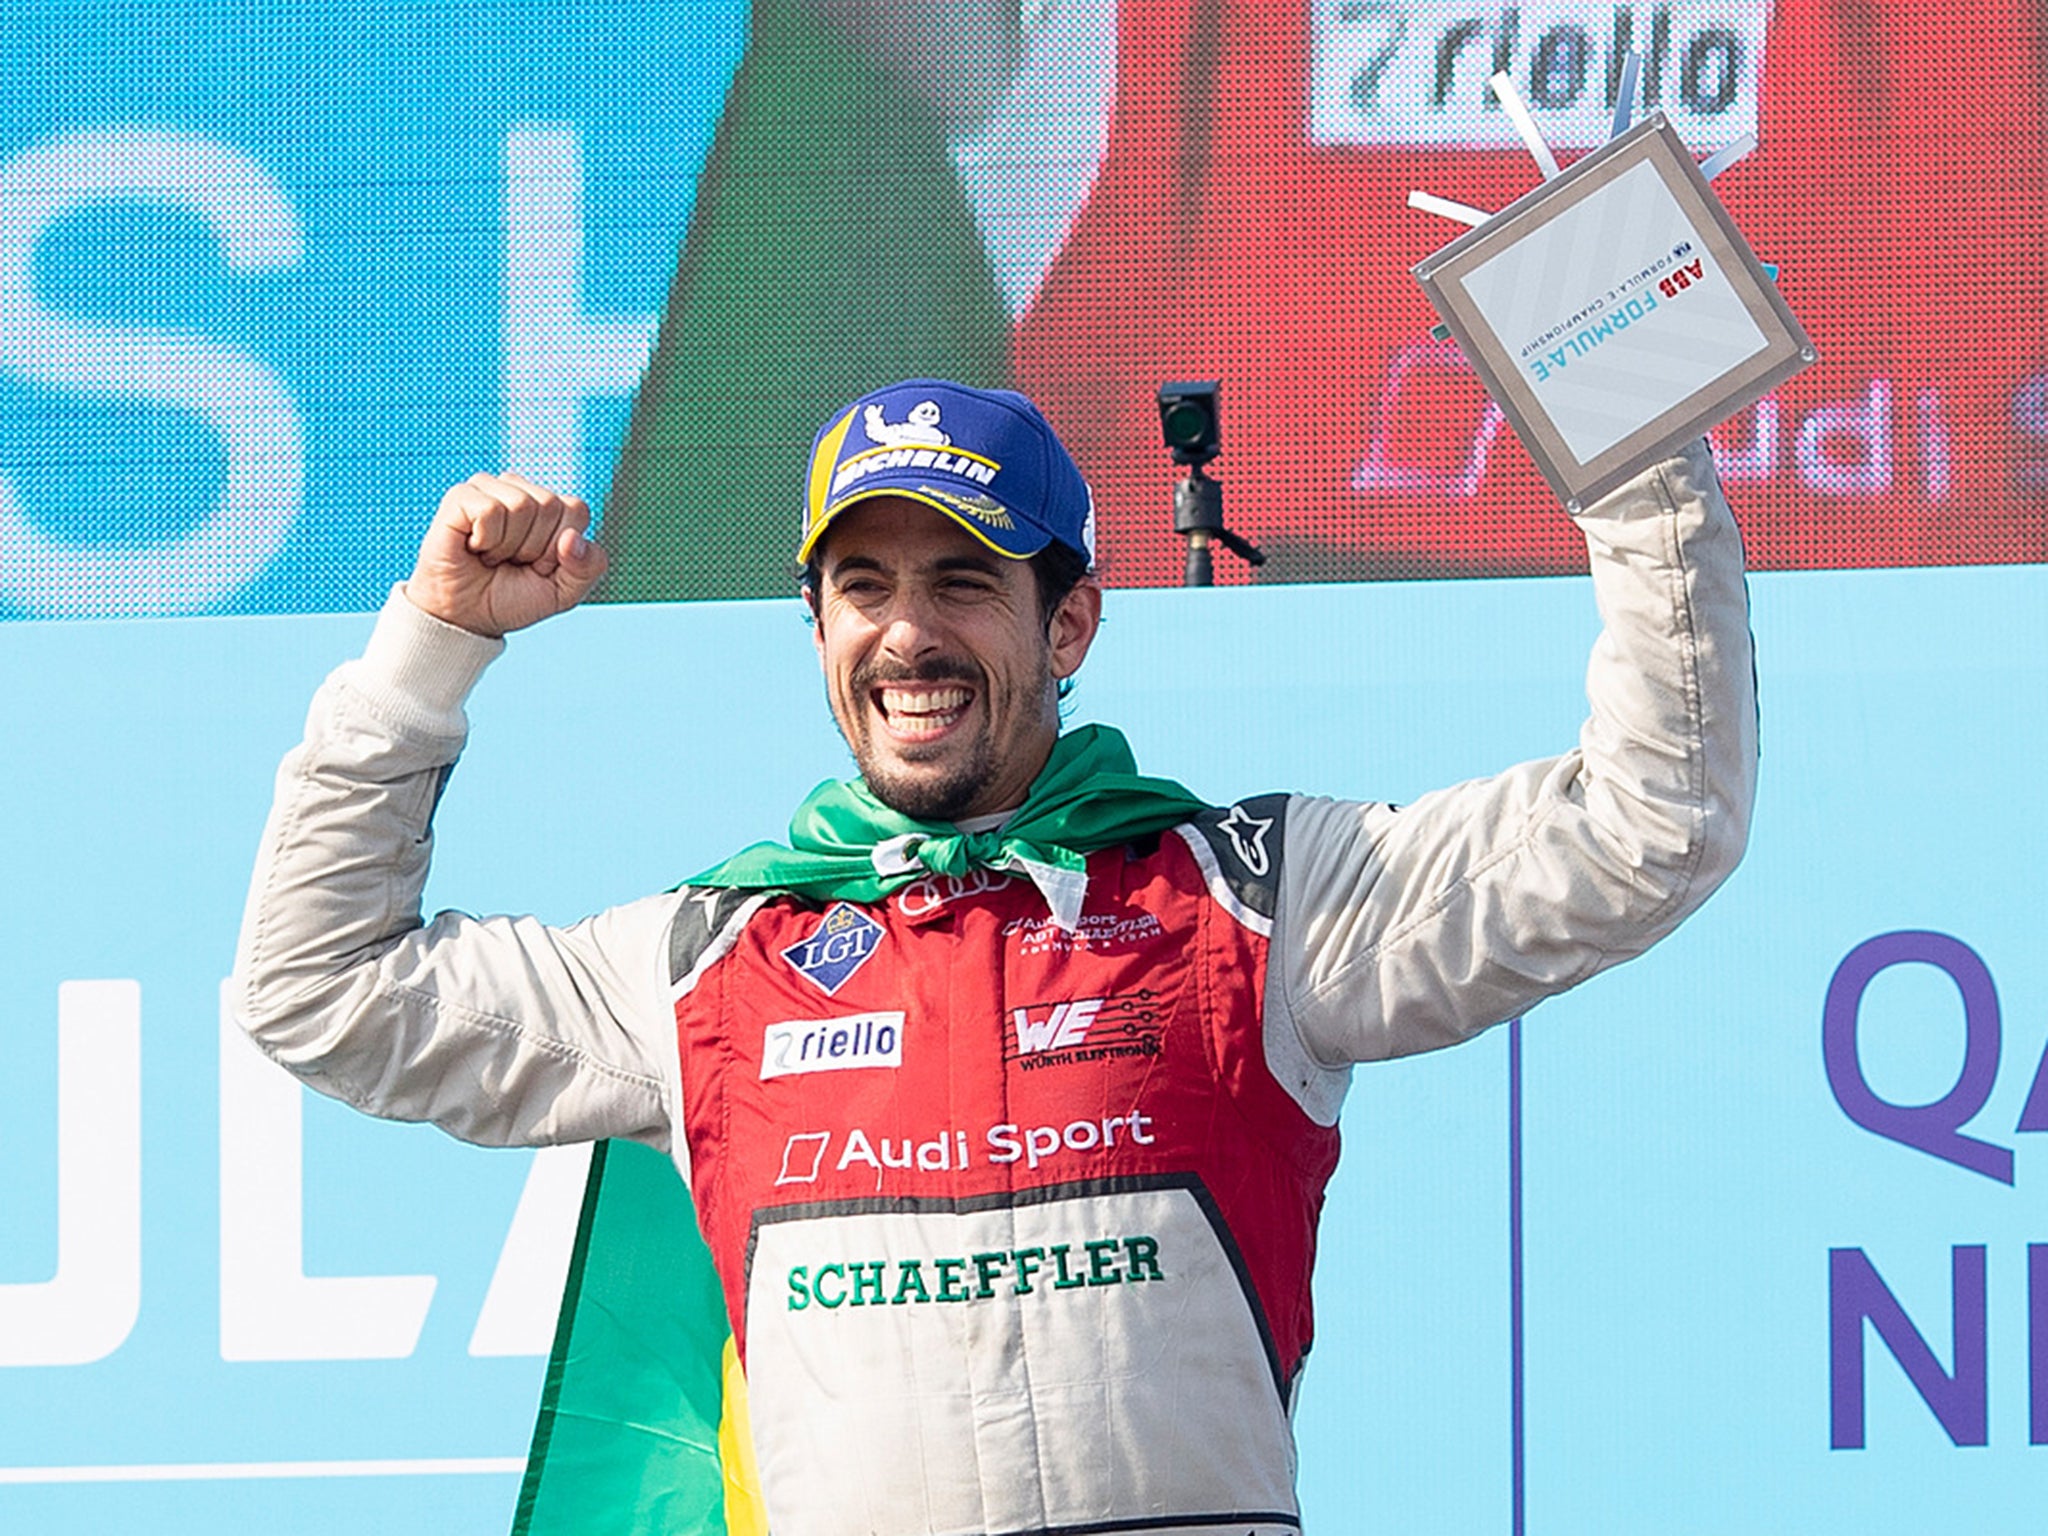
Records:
x=1019, y=534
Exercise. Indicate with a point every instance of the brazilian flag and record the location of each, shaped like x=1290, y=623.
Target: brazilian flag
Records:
x=643, y=1419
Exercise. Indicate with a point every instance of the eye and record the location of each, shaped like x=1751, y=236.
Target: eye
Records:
x=967, y=584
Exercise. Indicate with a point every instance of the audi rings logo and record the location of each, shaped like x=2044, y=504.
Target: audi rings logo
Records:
x=1415, y=72
x=928, y=893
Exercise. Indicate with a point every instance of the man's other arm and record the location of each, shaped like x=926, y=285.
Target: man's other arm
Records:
x=501, y=1030
x=1405, y=930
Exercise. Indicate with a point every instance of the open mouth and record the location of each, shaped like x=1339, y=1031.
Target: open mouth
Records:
x=921, y=711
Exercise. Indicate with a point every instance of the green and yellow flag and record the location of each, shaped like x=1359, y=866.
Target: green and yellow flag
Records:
x=643, y=1418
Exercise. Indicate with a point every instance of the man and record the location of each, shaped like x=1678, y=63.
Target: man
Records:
x=1008, y=1094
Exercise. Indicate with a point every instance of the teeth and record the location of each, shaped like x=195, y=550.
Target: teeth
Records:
x=939, y=701
x=915, y=712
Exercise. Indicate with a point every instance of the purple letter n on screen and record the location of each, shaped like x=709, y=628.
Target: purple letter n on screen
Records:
x=1856, y=1292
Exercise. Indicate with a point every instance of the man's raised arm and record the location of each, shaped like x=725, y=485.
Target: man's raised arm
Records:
x=501, y=1030
x=1404, y=930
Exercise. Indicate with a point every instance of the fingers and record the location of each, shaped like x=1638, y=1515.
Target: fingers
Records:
x=580, y=564
x=507, y=519
x=504, y=552
x=555, y=516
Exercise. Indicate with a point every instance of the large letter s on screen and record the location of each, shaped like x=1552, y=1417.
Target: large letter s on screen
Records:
x=237, y=396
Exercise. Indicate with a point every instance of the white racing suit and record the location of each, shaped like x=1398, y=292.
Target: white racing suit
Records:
x=1015, y=1223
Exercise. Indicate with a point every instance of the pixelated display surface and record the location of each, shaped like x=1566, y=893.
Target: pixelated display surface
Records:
x=274, y=275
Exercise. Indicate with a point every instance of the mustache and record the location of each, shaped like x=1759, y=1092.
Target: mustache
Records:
x=933, y=669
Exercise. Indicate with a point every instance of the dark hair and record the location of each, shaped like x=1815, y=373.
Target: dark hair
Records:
x=1059, y=570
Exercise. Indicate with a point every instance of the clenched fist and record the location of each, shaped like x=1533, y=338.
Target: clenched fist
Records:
x=504, y=553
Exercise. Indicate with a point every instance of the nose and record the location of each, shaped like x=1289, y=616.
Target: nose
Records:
x=910, y=629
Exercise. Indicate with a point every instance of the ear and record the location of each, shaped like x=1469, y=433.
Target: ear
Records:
x=1073, y=627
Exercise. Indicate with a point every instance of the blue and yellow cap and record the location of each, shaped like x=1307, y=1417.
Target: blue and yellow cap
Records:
x=984, y=457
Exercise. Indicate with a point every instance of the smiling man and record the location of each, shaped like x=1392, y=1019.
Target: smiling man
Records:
x=1007, y=1092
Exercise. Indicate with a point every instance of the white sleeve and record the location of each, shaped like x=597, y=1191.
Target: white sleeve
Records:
x=1403, y=930
x=501, y=1030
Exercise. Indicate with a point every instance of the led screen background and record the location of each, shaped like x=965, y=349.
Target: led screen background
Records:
x=273, y=275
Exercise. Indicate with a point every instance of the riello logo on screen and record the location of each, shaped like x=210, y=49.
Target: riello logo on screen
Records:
x=1415, y=72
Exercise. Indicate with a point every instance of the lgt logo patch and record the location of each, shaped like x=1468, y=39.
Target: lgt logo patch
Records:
x=841, y=944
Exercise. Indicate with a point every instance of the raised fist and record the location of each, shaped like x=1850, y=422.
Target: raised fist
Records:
x=504, y=553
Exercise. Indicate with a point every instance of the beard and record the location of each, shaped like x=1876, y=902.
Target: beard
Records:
x=944, y=794
x=944, y=798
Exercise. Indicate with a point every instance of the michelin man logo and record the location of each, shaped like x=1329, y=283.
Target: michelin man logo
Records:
x=920, y=426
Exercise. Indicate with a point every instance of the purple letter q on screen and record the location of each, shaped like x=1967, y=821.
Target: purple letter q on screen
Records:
x=1935, y=1128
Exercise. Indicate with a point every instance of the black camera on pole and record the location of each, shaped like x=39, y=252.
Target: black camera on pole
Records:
x=1191, y=422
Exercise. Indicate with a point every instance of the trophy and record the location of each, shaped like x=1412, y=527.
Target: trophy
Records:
x=1615, y=312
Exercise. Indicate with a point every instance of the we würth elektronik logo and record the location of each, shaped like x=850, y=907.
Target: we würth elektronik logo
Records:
x=1083, y=1029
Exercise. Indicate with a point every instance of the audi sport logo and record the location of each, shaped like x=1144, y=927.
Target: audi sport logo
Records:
x=951, y=1150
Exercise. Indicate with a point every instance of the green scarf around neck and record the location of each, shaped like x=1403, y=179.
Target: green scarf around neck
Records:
x=846, y=845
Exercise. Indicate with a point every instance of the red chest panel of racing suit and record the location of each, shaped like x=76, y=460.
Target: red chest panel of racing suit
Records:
x=1011, y=1221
